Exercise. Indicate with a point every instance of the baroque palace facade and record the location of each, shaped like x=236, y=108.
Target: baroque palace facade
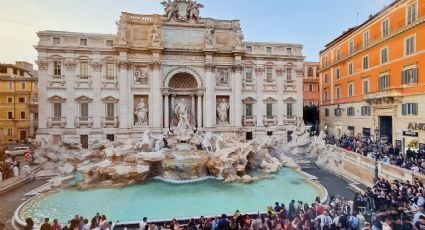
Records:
x=104, y=86
x=18, y=102
x=372, y=78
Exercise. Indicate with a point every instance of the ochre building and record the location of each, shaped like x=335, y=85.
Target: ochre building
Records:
x=18, y=102
x=372, y=77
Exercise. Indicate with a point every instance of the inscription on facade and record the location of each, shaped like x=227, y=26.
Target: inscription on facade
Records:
x=187, y=37
x=416, y=126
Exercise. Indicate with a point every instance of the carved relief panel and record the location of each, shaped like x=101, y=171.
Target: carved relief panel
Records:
x=141, y=75
x=223, y=77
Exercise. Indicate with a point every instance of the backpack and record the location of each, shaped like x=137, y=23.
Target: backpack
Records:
x=344, y=222
x=354, y=223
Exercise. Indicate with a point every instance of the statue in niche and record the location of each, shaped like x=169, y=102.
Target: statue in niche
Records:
x=222, y=78
x=239, y=38
x=141, y=112
x=141, y=75
x=155, y=35
x=209, y=37
x=182, y=115
x=222, y=110
x=122, y=33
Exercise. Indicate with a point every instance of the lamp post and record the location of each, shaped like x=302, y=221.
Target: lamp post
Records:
x=375, y=179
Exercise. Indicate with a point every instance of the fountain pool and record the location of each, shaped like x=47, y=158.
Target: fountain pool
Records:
x=160, y=200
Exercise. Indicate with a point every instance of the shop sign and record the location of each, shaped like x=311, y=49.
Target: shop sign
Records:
x=410, y=133
x=416, y=126
x=422, y=146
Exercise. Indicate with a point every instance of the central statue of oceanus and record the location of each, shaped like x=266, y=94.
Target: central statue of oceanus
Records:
x=182, y=10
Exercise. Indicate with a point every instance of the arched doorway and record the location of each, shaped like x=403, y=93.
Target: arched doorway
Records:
x=183, y=87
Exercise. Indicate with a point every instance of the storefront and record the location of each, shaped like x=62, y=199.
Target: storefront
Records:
x=351, y=131
x=366, y=132
x=411, y=137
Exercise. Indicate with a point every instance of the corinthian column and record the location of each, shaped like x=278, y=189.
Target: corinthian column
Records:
x=166, y=111
x=155, y=94
x=209, y=97
x=199, y=113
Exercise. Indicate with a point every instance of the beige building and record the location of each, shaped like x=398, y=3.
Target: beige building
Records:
x=115, y=86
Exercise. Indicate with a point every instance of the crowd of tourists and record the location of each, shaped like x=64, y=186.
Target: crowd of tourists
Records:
x=412, y=159
x=9, y=168
x=397, y=205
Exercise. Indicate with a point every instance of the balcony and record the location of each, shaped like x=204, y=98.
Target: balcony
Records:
x=388, y=96
x=249, y=120
x=110, y=81
x=110, y=122
x=84, y=122
x=290, y=119
x=269, y=120
x=269, y=84
x=56, y=122
x=56, y=81
x=82, y=80
x=249, y=84
x=290, y=85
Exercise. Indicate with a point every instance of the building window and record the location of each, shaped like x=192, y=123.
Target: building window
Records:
x=84, y=110
x=10, y=115
x=57, y=68
x=109, y=43
x=269, y=50
x=350, y=68
x=248, y=110
x=365, y=63
x=269, y=73
x=110, y=110
x=326, y=95
x=326, y=112
x=289, y=110
x=110, y=71
x=410, y=76
x=289, y=51
x=35, y=85
x=3, y=69
x=326, y=61
x=384, y=55
x=21, y=99
x=10, y=132
x=110, y=137
x=249, y=49
x=410, y=45
x=84, y=140
x=385, y=28
x=84, y=69
x=21, y=73
x=9, y=100
x=411, y=13
x=57, y=110
x=338, y=54
x=288, y=74
x=248, y=74
x=269, y=133
x=337, y=74
x=23, y=115
x=365, y=38
x=351, y=111
x=269, y=110
x=10, y=85
x=337, y=112
x=366, y=110
x=384, y=82
x=310, y=87
x=337, y=92
x=409, y=109
x=351, y=47
x=15, y=72
x=83, y=41
x=365, y=86
x=23, y=85
x=56, y=41
x=326, y=78
x=310, y=72
x=350, y=89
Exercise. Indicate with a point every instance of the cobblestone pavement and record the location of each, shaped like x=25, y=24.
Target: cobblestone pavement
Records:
x=334, y=184
x=10, y=201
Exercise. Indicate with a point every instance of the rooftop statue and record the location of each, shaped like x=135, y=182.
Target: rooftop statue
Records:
x=182, y=10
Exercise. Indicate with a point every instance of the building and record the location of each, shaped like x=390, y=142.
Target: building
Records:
x=116, y=86
x=18, y=102
x=311, y=88
x=371, y=77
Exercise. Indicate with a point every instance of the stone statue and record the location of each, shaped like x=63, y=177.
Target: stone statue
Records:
x=207, y=142
x=194, y=10
x=170, y=9
x=141, y=112
x=156, y=36
x=209, y=37
x=141, y=76
x=222, y=109
x=219, y=142
x=182, y=115
x=122, y=33
x=239, y=38
x=182, y=10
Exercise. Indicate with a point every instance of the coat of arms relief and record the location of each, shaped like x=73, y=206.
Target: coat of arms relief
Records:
x=182, y=10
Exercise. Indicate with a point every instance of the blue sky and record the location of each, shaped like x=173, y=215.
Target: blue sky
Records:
x=312, y=23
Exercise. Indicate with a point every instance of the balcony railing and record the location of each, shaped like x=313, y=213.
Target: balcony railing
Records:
x=110, y=122
x=109, y=81
x=55, y=80
x=249, y=120
x=269, y=120
x=83, y=122
x=383, y=94
x=56, y=122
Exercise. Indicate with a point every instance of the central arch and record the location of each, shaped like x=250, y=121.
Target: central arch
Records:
x=180, y=71
x=183, y=81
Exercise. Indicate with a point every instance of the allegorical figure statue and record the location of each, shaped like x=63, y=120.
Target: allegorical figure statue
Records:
x=122, y=33
x=141, y=112
x=182, y=115
x=155, y=35
x=209, y=37
x=222, y=109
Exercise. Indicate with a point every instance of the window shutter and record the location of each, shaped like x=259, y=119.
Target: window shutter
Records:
x=415, y=108
x=403, y=77
x=415, y=75
x=403, y=109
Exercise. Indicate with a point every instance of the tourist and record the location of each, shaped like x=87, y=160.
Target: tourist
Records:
x=223, y=223
x=45, y=225
x=29, y=224
x=191, y=225
x=144, y=224
x=86, y=224
x=292, y=209
x=325, y=220
x=277, y=207
x=56, y=225
x=109, y=225
x=366, y=226
x=2, y=226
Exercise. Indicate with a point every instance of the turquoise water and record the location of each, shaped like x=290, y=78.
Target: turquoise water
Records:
x=160, y=200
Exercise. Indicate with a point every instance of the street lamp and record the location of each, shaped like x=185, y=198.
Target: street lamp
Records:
x=375, y=179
